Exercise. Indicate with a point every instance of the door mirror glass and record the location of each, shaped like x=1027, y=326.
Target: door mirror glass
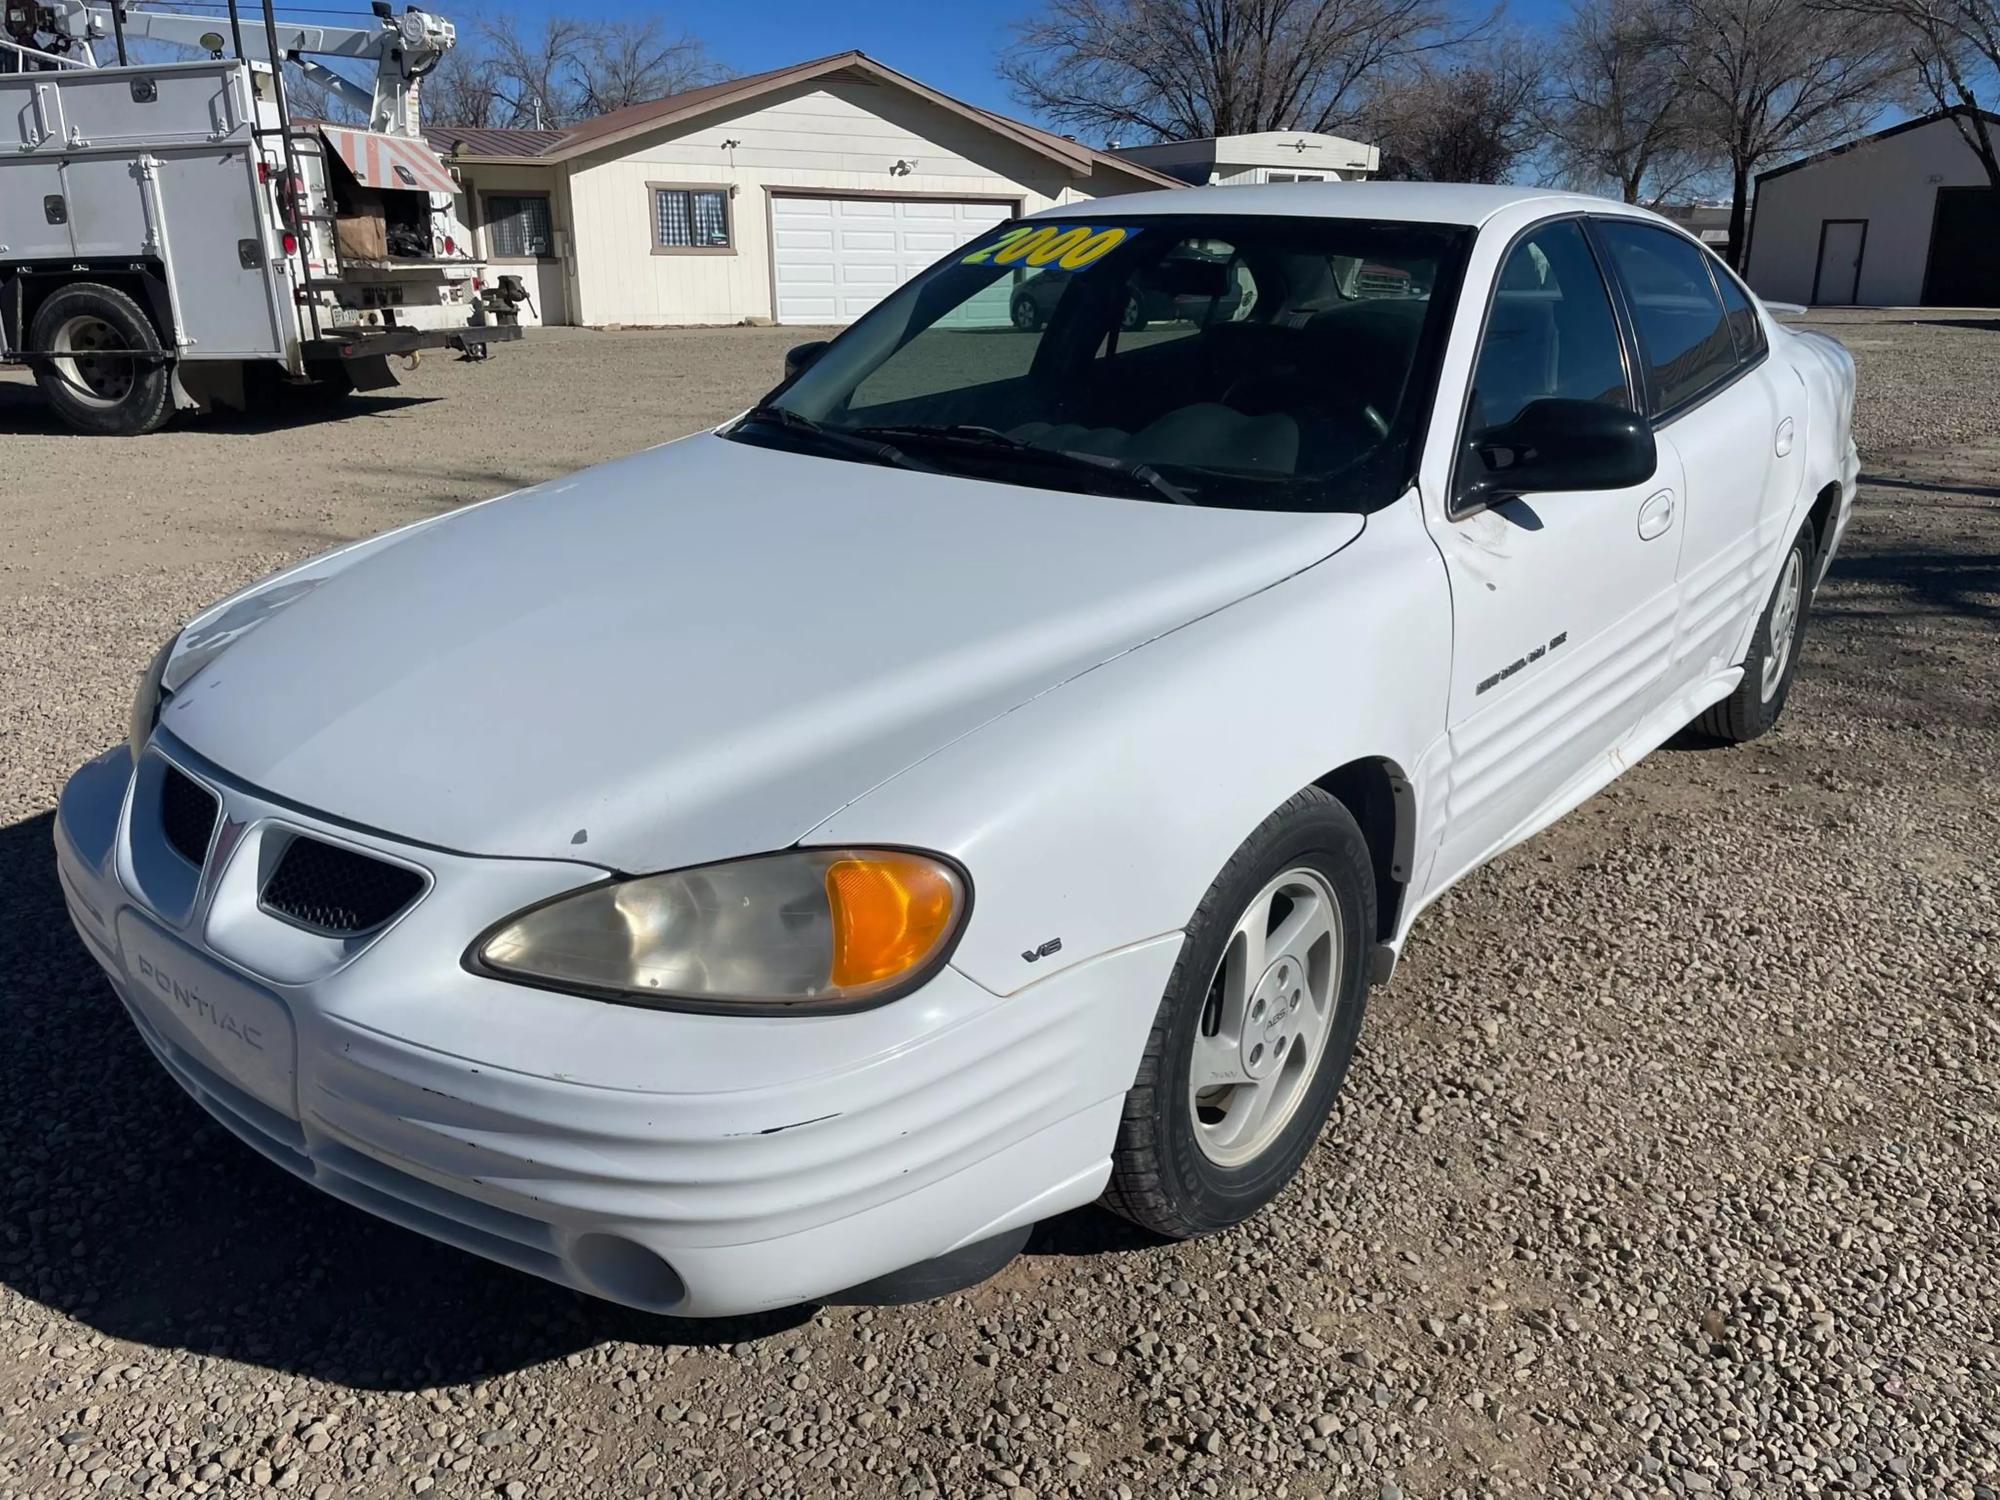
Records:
x=1558, y=444
x=801, y=356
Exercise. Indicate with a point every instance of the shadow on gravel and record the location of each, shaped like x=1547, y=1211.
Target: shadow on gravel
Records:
x=1978, y=325
x=23, y=413
x=1932, y=486
x=1091, y=1231
x=1966, y=584
x=123, y=1206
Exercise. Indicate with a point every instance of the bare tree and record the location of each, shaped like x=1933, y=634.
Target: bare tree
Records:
x=631, y=61
x=1771, y=78
x=1475, y=119
x=561, y=69
x=1172, y=69
x=533, y=73
x=1617, y=114
x=1954, y=46
x=461, y=90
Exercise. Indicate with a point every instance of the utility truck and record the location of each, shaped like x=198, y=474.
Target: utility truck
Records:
x=172, y=238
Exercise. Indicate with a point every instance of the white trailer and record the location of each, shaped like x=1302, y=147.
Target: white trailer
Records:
x=170, y=238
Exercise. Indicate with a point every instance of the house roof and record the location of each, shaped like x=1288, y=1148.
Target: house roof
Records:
x=1956, y=111
x=471, y=140
x=595, y=134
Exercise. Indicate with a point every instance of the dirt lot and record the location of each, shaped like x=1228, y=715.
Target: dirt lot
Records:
x=1667, y=1166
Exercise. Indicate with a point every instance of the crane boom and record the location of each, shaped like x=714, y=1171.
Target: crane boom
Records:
x=404, y=49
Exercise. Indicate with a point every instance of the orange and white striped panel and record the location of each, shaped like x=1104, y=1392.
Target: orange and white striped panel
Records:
x=393, y=163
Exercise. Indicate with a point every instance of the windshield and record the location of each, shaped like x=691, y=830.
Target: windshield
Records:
x=1252, y=362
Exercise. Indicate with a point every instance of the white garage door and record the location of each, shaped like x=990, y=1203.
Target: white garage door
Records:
x=835, y=258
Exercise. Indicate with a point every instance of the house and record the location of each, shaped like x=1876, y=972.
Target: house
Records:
x=1263, y=156
x=801, y=195
x=1904, y=217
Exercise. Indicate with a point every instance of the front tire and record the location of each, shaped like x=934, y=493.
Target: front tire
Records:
x=102, y=372
x=1254, y=1034
x=1773, y=662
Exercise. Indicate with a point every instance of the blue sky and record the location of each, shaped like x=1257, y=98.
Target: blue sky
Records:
x=949, y=44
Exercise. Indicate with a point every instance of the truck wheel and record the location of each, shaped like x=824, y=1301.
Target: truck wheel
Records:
x=1774, y=652
x=91, y=333
x=1254, y=1034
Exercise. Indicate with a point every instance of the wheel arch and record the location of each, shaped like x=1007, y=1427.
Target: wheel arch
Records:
x=24, y=290
x=1377, y=792
x=1824, y=515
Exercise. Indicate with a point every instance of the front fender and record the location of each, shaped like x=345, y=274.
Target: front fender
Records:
x=1096, y=815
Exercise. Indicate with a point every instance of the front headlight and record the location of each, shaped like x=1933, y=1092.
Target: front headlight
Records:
x=146, y=701
x=814, y=928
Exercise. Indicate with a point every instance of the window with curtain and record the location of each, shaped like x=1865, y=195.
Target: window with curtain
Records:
x=690, y=218
x=518, y=226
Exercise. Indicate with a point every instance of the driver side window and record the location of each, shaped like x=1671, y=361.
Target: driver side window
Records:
x=1551, y=331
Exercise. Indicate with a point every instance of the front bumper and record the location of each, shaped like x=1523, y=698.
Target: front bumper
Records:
x=698, y=1165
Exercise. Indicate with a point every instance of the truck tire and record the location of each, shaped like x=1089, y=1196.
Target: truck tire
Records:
x=94, y=386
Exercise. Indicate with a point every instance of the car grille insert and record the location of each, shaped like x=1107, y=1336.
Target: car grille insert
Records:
x=187, y=815
x=336, y=891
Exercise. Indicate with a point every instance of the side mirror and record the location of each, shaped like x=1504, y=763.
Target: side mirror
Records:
x=1559, y=444
x=801, y=357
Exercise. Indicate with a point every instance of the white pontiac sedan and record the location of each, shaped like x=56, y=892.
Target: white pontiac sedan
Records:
x=987, y=776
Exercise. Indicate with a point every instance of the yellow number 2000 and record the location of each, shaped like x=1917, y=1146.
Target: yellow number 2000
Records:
x=1071, y=248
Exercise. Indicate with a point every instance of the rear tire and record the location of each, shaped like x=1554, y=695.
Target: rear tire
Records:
x=1244, y=1003
x=1026, y=315
x=1773, y=660
x=94, y=385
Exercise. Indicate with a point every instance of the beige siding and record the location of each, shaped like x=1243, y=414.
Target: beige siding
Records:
x=1892, y=184
x=823, y=138
x=546, y=279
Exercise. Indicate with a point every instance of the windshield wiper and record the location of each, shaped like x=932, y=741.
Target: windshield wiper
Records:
x=955, y=432
x=874, y=450
x=1144, y=474
x=992, y=437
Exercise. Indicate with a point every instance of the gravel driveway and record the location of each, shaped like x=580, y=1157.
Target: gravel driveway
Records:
x=1667, y=1166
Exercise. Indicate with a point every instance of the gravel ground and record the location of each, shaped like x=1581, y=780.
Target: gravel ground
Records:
x=1666, y=1167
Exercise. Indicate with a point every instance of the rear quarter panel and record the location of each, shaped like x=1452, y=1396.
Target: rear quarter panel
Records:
x=1826, y=369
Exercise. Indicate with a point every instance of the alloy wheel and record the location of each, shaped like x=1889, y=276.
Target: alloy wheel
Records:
x=1784, y=622
x=1270, y=1007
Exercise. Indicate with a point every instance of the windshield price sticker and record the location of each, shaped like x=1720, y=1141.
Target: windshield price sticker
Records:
x=1050, y=246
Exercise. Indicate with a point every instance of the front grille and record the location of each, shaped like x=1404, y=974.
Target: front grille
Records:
x=335, y=890
x=187, y=815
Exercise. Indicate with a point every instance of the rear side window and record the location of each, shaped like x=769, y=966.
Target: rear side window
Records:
x=1551, y=331
x=1743, y=320
x=1683, y=330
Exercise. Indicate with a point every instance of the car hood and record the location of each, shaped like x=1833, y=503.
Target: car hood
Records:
x=699, y=651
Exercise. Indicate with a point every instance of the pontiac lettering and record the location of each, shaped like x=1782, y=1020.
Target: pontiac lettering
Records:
x=190, y=999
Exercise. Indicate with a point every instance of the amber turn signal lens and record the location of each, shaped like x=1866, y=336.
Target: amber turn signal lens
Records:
x=891, y=913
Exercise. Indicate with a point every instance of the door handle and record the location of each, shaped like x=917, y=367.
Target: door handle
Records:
x=1784, y=441
x=1656, y=516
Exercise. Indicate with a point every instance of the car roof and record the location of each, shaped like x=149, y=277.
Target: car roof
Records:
x=1410, y=202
